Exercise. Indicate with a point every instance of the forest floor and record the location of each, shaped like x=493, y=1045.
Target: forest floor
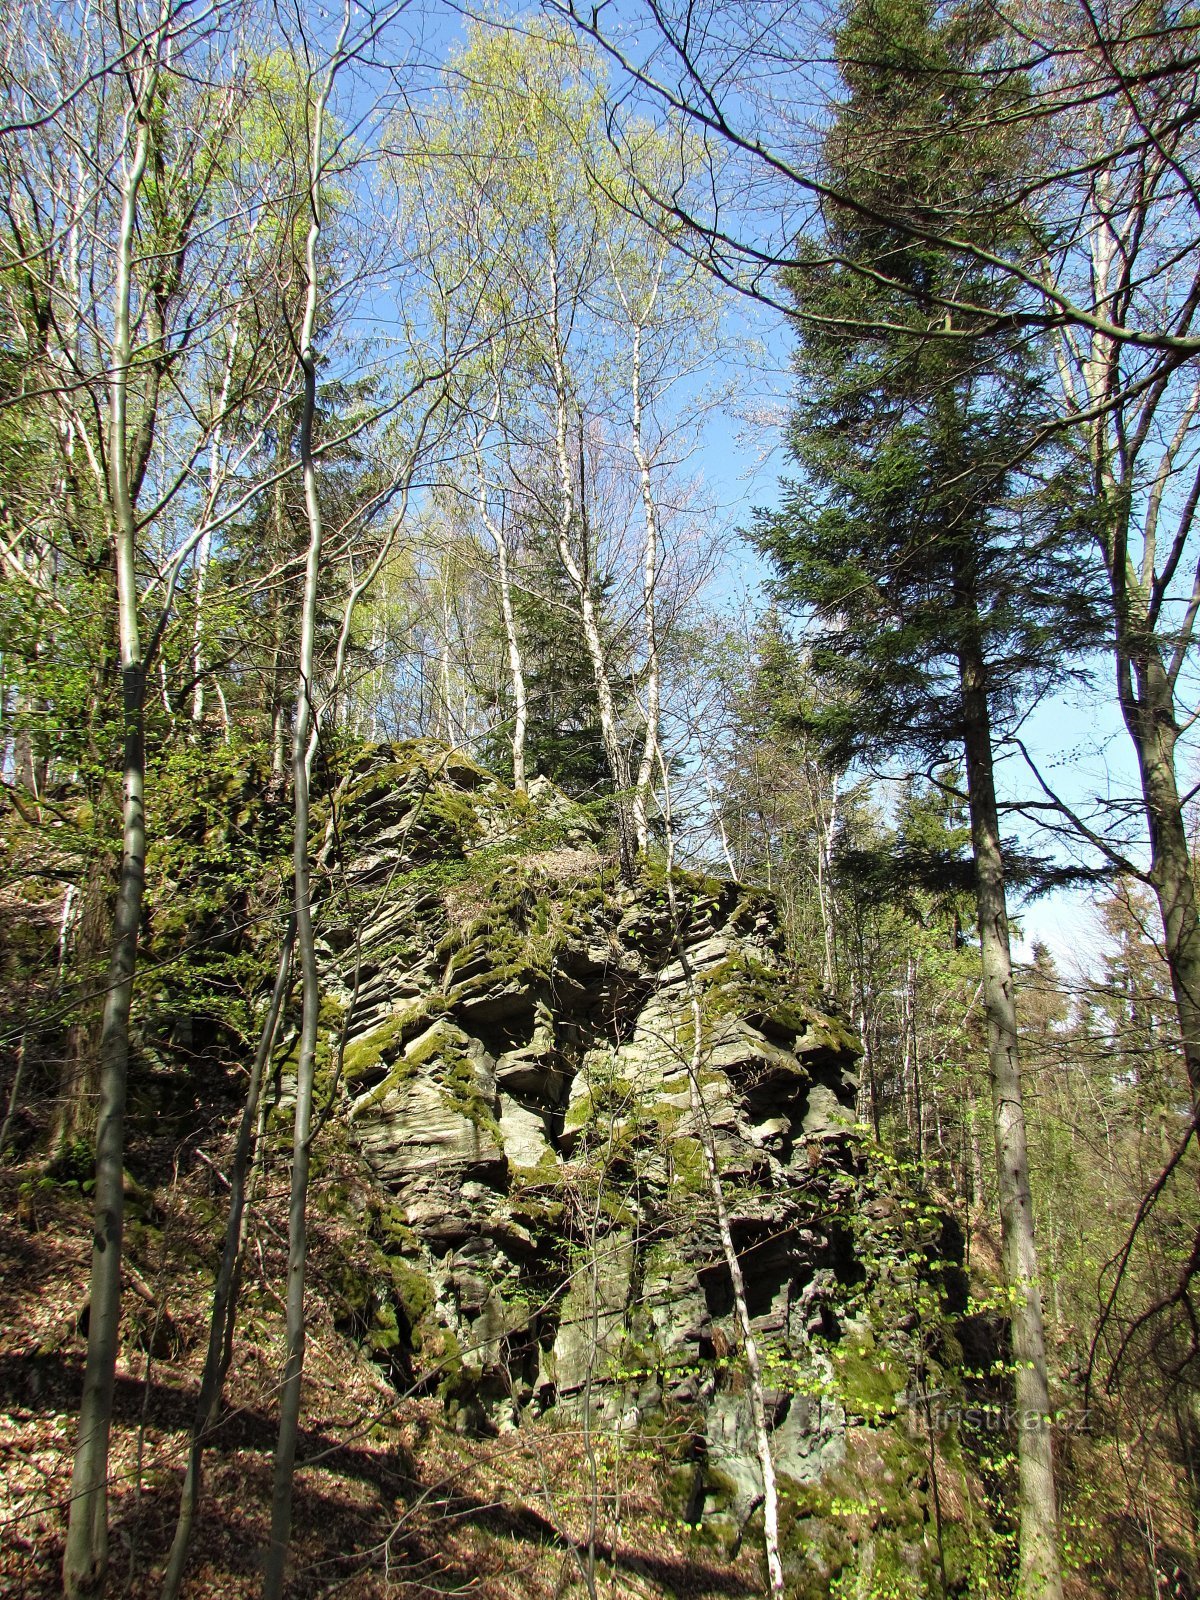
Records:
x=388, y=1499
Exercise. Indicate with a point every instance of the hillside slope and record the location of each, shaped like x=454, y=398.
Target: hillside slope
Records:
x=524, y=1366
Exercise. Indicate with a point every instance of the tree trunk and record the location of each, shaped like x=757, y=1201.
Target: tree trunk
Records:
x=75, y=1100
x=650, y=747
x=14, y=1093
x=516, y=666
x=1040, y=1577
x=203, y=555
x=826, y=828
x=85, y=1558
x=758, y=1409
x=1147, y=705
x=704, y=1132
x=289, y=1397
x=224, y=1309
x=579, y=572
x=204, y=551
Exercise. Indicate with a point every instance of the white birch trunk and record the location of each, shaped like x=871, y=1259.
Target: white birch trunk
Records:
x=579, y=574
x=516, y=665
x=651, y=744
x=204, y=549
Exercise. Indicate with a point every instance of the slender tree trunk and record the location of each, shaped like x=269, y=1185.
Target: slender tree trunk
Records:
x=444, y=666
x=224, y=1311
x=913, y=1051
x=75, y=1107
x=289, y=1397
x=708, y=1143
x=650, y=746
x=907, y=1077
x=14, y=1093
x=86, y=1556
x=1147, y=705
x=85, y=1559
x=1146, y=687
x=580, y=575
x=1040, y=1577
x=204, y=550
x=714, y=807
x=827, y=825
x=758, y=1409
x=280, y=636
x=516, y=665
x=203, y=555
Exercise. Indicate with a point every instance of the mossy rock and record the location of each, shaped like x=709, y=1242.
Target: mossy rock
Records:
x=870, y=1382
x=379, y=1049
x=415, y=1295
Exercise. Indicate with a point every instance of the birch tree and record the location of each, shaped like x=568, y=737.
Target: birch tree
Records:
x=588, y=405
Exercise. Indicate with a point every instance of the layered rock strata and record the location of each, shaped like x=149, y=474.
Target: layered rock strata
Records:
x=515, y=1033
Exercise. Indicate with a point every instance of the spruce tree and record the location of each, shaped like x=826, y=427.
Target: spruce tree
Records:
x=930, y=544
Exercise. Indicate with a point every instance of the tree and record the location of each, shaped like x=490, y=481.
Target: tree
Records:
x=1111, y=197
x=935, y=555
x=1130, y=411
x=109, y=371
x=589, y=323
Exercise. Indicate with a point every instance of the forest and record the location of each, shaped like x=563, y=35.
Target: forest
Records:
x=599, y=801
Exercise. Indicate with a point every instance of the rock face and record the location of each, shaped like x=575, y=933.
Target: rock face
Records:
x=516, y=1030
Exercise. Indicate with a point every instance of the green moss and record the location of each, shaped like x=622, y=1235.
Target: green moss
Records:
x=384, y=1334
x=454, y=814
x=869, y=1381
x=395, y=1234
x=414, y=1295
x=442, y=1039
x=372, y=1050
x=615, y=1209
x=381, y=1047
x=445, y=1353
x=462, y=1088
x=546, y=1171
x=689, y=1170
x=533, y=1207
x=332, y=1012
x=743, y=986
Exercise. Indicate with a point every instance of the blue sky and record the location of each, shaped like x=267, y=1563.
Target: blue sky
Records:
x=1077, y=738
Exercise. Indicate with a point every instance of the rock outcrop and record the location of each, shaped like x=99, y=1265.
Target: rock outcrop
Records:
x=515, y=1028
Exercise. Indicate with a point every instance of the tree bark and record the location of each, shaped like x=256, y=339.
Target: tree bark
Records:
x=704, y=1131
x=826, y=829
x=1040, y=1576
x=289, y=1397
x=650, y=747
x=204, y=550
x=224, y=1311
x=1116, y=439
x=516, y=665
x=85, y=1558
x=580, y=575
x=1148, y=708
